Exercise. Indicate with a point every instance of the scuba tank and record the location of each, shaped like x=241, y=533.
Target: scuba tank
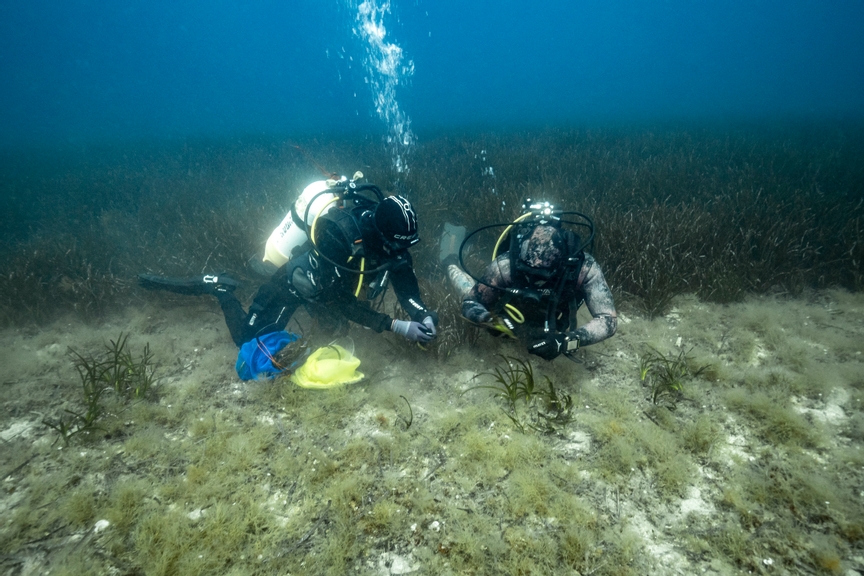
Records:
x=333, y=198
x=293, y=231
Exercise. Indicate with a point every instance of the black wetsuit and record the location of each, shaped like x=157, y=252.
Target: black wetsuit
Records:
x=344, y=237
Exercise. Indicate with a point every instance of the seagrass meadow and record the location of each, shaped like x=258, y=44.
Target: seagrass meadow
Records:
x=718, y=432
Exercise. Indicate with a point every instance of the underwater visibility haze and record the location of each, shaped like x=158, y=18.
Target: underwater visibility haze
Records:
x=717, y=147
x=84, y=71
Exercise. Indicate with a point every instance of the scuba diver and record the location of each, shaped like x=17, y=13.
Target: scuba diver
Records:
x=532, y=291
x=335, y=244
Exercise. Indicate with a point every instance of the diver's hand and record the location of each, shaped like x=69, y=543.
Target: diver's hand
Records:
x=549, y=347
x=430, y=322
x=414, y=331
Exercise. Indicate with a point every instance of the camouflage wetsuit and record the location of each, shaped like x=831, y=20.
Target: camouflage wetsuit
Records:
x=590, y=286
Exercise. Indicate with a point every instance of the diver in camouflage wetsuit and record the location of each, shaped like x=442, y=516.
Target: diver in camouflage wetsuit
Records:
x=534, y=296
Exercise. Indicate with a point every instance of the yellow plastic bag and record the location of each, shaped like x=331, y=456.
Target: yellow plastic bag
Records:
x=328, y=367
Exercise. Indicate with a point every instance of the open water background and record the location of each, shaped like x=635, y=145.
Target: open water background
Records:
x=94, y=71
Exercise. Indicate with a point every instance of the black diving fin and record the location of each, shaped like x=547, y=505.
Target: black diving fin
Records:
x=192, y=285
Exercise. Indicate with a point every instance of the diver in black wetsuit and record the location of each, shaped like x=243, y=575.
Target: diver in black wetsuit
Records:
x=532, y=291
x=360, y=245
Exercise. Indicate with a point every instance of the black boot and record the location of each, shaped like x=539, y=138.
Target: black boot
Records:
x=214, y=284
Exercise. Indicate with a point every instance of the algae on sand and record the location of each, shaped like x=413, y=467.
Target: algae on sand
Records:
x=757, y=469
x=228, y=477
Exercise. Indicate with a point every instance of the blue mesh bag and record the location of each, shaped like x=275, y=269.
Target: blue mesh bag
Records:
x=256, y=357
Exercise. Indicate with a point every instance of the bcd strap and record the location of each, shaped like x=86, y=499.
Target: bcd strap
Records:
x=298, y=219
x=517, y=235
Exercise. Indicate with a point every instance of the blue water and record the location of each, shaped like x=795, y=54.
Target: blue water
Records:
x=85, y=71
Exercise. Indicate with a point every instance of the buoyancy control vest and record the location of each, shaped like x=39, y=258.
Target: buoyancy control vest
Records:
x=546, y=295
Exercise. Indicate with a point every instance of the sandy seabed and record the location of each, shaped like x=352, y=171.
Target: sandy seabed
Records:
x=757, y=469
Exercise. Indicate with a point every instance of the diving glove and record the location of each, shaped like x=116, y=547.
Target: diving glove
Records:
x=553, y=345
x=414, y=331
x=429, y=322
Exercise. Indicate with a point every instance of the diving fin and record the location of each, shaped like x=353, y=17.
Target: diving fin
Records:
x=194, y=285
x=451, y=241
